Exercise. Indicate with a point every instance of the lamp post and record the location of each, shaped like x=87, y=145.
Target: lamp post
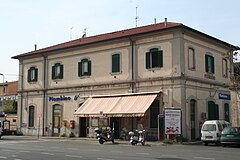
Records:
x=2, y=92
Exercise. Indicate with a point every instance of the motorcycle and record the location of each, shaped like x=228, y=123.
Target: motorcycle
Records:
x=104, y=135
x=137, y=137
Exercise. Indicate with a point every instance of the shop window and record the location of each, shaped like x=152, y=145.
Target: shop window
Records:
x=116, y=63
x=191, y=59
x=209, y=64
x=31, y=116
x=32, y=74
x=154, y=112
x=84, y=67
x=224, y=68
x=57, y=71
x=154, y=58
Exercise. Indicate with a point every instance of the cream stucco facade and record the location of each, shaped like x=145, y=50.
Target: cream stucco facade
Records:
x=182, y=81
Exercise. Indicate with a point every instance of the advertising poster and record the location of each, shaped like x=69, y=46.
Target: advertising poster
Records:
x=172, y=121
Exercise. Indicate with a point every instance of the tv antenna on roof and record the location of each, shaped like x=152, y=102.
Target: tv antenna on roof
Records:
x=71, y=33
x=136, y=18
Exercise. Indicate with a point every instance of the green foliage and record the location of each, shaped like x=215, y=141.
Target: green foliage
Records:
x=9, y=106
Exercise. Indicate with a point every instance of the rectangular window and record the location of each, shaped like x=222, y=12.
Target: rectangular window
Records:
x=154, y=58
x=209, y=64
x=84, y=68
x=115, y=63
x=57, y=71
x=224, y=68
x=191, y=59
x=32, y=74
x=31, y=116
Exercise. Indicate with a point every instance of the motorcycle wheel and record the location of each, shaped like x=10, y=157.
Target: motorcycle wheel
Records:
x=101, y=141
x=143, y=143
x=133, y=143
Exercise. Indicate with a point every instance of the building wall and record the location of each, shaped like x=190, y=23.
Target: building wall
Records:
x=177, y=83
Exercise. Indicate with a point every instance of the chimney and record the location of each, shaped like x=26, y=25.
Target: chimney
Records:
x=35, y=47
x=165, y=22
x=155, y=20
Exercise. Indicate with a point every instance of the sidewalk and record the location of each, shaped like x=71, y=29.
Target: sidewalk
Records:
x=94, y=140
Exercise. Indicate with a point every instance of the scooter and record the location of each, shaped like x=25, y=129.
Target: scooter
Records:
x=104, y=135
x=137, y=137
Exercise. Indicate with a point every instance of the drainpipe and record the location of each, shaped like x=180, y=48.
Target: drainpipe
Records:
x=21, y=94
x=44, y=117
x=132, y=43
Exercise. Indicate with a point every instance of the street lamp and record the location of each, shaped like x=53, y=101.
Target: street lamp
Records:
x=3, y=92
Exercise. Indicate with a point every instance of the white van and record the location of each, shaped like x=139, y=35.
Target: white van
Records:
x=211, y=131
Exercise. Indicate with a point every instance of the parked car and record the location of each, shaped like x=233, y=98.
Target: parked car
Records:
x=230, y=136
x=211, y=131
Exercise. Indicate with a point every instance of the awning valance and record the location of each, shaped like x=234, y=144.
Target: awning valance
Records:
x=116, y=106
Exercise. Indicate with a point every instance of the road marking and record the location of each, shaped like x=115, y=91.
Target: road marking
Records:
x=46, y=153
x=143, y=153
x=1, y=157
x=23, y=151
x=104, y=159
x=116, y=151
x=95, y=150
x=73, y=156
x=17, y=159
x=204, y=158
x=72, y=148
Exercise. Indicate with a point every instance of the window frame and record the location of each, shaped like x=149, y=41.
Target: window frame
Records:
x=32, y=74
x=82, y=72
x=57, y=71
x=116, y=63
x=224, y=67
x=209, y=64
x=31, y=116
x=151, y=62
x=191, y=58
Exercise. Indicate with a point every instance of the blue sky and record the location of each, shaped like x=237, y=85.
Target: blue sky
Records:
x=49, y=22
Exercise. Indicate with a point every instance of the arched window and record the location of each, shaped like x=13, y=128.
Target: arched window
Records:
x=213, y=112
x=193, y=118
x=226, y=112
x=31, y=116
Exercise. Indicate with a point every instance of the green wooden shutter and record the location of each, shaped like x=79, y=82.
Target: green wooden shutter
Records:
x=53, y=72
x=61, y=71
x=29, y=75
x=89, y=68
x=36, y=74
x=206, y=63
x=115, y=63
x=79, y=69
x=148, y=60
x=160, y=58
x=212, y=65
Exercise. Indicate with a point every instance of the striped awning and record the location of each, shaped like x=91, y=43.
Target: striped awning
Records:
x=134, y=105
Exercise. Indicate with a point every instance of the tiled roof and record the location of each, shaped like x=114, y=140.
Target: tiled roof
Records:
x=11, y=88
x=103, y=37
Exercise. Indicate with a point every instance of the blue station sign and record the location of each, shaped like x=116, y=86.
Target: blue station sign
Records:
x=60, y=98
x=224, y=96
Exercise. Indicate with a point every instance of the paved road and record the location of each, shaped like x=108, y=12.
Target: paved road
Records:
x=22, y=148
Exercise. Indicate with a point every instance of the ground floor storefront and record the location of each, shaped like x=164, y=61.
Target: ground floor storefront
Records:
x=74, y=113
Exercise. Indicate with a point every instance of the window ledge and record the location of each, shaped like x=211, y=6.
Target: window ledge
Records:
x=209, y=76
